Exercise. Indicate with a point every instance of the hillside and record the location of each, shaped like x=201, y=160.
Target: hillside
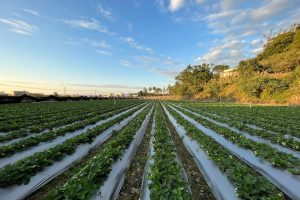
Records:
x=273, y=76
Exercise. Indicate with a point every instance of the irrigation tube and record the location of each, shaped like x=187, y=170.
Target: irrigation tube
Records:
x=216, y=179
x=113, y=184
x=285, y=181
x=17, y=192
x=59, y=140
x=245, y=134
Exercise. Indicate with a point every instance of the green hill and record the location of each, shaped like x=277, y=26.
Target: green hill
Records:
x=273, y=76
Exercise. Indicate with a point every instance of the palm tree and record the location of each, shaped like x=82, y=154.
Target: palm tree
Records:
x=150, y=89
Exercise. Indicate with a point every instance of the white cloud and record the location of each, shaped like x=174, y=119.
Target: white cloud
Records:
x=91, y=24
x=97, y=44
x=106, y=12
x=131, y=42
x=257, y=50
x=230, y=4
x=176, y=4
x=270, y=9
x=103, y=52
x=33, y=12
x=157, y=60
x=171, y=73
x=256, y=42
x=125, y=63
x=228, y=52
x=20, y=27
x=147, y=60
x=161, y=65
x=233, y=21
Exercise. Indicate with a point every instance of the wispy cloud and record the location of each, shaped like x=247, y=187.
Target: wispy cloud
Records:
x=170, y=73
x=97, y=44
x=146, y=60
x=160, y=65
x=33, y=12
x=106, y=12
x=103, y=52
x=239, y=24
x=20, y=27
x=91, y=24
x=125, y=63
x=225, y=52
x=131, y=42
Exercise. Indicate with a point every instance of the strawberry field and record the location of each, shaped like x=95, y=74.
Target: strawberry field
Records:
x=137, y=149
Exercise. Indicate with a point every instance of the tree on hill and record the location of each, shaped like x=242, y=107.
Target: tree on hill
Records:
x=219, y=68
x=248, y=67
x=192, y=79
x=282, y=52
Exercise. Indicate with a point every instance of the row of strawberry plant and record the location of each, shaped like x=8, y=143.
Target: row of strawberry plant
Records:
x=276, y=158
x=22, y=170
x=283, y=126
x=28, y=111
x=8, y=150
x=268, y=113
x=165, y=172
x=274, y=138
x=48, y=115
x=50, y=120
x=11, y=112
x=89, y=178
x=249, y=184
x=68, y=120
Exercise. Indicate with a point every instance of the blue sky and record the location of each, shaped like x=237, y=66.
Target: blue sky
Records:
x=122, y=45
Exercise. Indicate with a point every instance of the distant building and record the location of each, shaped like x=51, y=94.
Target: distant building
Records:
x=229, y=73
